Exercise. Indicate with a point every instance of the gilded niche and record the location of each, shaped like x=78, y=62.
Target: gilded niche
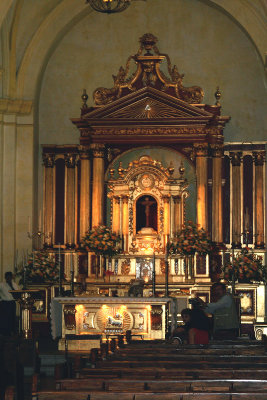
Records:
x=148, y=73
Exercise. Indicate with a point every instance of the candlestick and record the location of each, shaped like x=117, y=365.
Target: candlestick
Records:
x=154, y=276
x=72, y=283
x=71, y=263
x=40, y=222
x=59, y=273
x=246, y=220
x=233, y=278
x=166, y=272
x=223, y=258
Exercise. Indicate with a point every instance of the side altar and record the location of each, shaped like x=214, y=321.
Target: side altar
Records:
x=80, y=316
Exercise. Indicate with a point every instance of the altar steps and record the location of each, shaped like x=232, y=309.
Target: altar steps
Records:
x=156, y=371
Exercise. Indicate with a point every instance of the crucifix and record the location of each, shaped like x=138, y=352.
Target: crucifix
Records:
x=147, y=204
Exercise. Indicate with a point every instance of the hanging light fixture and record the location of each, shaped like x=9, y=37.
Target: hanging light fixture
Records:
x=109, y=6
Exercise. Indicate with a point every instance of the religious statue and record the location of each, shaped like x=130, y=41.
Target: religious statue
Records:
x=146, y=213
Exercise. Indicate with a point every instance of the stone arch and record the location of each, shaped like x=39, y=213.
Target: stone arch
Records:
x=67, y=13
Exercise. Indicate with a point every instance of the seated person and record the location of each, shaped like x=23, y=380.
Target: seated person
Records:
x=196, y=327
x=223, y=309
x=181, y=332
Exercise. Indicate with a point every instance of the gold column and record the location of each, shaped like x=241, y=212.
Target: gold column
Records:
x=49, y=199
x=98, y=184
x=125, y=221
x=259, y=158
x=85, y=191
x=70, y=199
x=116, y=215
x=166, y=200
x=236, y=198
x=201, y=153
x=177, y=221
x=217, y=231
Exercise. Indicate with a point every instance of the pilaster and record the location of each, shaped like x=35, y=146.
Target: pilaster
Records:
x=49, y=199
x=70, y=199
x=217, y=231
x=98, y=184
x=259, y=160
x=201, y=154
x=85, y=189
x=236, y=159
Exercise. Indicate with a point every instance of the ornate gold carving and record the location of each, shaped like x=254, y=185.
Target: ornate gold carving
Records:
x=49, y=160
x=84, y=152
x=217, y=150
x=259, y=157
x=146, y=181
x=148, y=73
x=69, y=316
x=149, y=109
x=125, y=267
x=156, y=318
x=166, y=199
x=125, y=199
x=162, y=266
x=236, y=158
x=117, y=199
x=176, y=199
x=70, y=160
x=98, y=150
x=149, y=131
x=201, y=150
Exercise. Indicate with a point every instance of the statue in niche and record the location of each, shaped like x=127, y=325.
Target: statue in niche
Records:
x=146, y=213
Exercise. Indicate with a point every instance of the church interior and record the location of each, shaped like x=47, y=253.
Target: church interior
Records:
x=127, y=136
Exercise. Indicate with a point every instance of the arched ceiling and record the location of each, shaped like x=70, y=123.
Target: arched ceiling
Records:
x=33, y=29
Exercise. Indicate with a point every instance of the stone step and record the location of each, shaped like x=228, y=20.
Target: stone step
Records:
x=101, y=395
x=152, y=373
x=180, y=364
x=167, y=385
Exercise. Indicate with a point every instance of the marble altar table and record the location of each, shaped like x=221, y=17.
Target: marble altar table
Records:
x=79, y=316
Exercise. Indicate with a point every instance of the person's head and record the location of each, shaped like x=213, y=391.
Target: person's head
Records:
x=219, y=290
x=186, y=315
x=8, y=276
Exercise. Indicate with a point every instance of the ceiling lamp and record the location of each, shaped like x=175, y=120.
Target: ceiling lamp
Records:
x=109, y=6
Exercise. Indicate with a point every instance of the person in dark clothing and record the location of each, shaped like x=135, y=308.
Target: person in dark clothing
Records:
x=196, y=327
x=7, y=305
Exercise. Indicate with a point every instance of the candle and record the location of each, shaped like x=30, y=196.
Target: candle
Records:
x=40, y=222
x=246, y=220
x=29, y=224
x=154, y=276
x=59, y=273
x=33, y=260
x=71, y=263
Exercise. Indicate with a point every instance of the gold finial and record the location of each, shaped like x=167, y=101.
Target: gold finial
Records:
x=181, y=168
x=84, y=97
x=171, y=168
x=217, y=95
x=111, y=172
x=121, y=170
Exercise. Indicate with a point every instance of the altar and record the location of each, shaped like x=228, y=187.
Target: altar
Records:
x=107, y=316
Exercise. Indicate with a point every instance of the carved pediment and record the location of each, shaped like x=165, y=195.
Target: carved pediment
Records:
x=148, y=104
x=148, y=73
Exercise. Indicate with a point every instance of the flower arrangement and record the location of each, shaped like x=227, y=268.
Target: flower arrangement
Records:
x=39, y=268
x=191, y=239
x=102, y=241
x=245, y=266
